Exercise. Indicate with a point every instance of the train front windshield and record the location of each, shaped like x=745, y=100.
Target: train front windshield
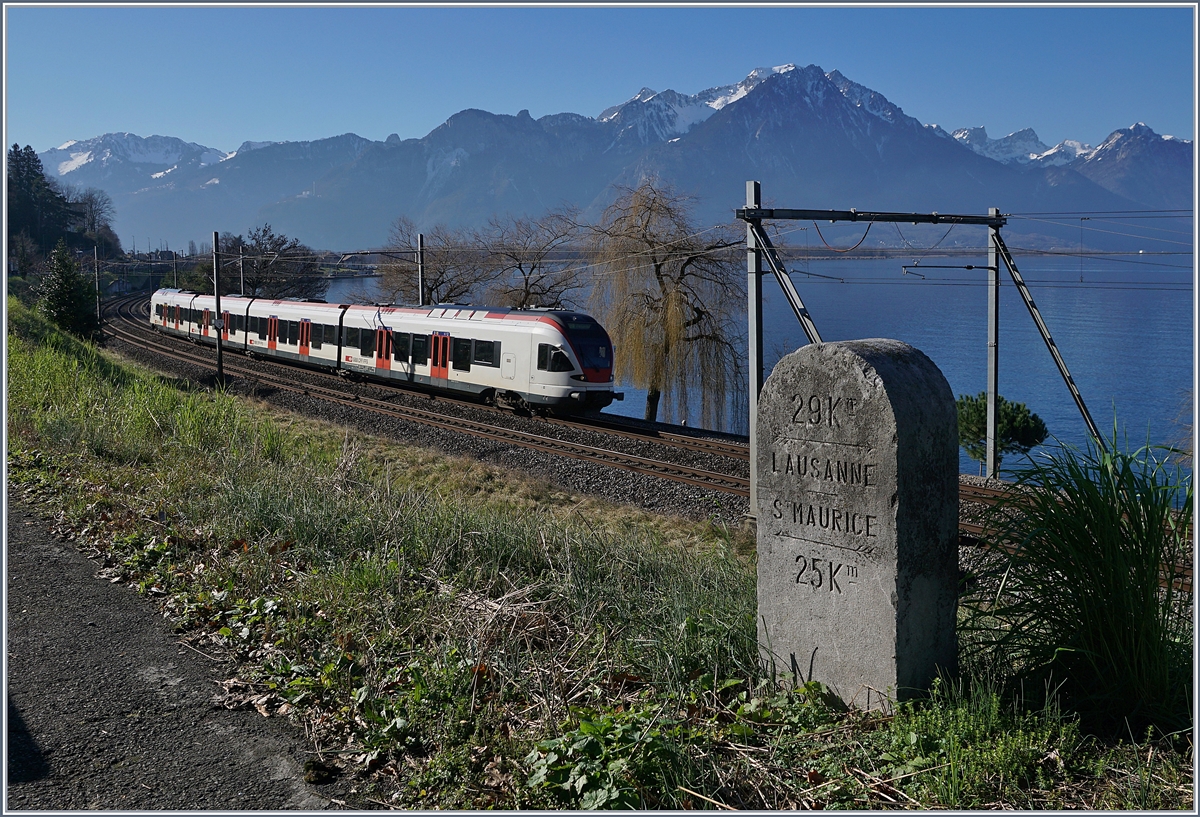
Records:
x=590, y=342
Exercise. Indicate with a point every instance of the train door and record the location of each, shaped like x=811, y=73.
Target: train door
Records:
x=383, y=349
x=204, y=324
x=439, y=364
x=225, y=325
x=176, y=317
x=305, y=336
x=272, y=332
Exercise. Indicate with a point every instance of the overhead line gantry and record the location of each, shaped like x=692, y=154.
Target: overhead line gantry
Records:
x=759, y=246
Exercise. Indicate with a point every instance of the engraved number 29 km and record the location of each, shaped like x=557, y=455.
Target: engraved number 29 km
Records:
x=820, y=410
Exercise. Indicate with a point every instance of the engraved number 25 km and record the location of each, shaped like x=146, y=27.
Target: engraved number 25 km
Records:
x=827, y=576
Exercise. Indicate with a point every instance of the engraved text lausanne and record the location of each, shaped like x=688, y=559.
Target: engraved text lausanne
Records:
x=847, y=472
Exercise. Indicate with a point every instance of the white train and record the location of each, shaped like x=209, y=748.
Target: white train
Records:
x=525, y=358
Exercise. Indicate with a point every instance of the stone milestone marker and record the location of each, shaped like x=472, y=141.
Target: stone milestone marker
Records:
x=858, y=519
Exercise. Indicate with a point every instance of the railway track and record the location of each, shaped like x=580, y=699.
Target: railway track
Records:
x=128, y=329
x=131, y=328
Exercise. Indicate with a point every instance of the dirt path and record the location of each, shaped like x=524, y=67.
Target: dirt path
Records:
x=107, y=710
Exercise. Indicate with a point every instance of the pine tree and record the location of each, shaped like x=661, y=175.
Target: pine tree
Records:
x=66, y=296
x=35, y=204
x=1017, y=429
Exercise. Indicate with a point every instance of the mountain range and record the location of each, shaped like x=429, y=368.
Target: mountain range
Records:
x=814, y=139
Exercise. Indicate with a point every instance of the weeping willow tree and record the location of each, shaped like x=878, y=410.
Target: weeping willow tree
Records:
x=669, y=294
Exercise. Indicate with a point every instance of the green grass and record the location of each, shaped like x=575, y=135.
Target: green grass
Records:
x=452, y=636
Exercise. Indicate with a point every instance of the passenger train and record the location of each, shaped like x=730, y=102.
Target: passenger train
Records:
x=531, y=359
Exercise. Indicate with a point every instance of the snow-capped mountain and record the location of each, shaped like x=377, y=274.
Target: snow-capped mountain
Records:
x=121, y=161
x=1142, y=165
x=813, y=138
x=1022, y=147
x=650, y=116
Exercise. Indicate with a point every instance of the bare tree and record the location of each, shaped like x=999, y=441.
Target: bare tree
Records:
x=275, y=266
x=534, y=261
x=669, y=295
x=455, y=267
x=96, y=208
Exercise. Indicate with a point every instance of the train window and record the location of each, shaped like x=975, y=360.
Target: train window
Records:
x=351, y=340
x=366, y=343
x=487, y=353
x=293, y=332
x=400, y=342
x=316, y=333
x=553, y=360
x=331, y=334
x=420, y=349
x=461, y=358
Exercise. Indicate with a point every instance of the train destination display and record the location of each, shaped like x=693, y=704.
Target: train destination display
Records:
x=858, y=519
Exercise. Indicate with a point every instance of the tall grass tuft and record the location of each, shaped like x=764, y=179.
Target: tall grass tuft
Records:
x=1083, y=606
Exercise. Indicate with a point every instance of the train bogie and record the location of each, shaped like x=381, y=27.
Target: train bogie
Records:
x=539, y=359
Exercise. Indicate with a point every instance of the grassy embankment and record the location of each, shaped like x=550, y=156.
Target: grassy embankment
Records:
x=449, y=635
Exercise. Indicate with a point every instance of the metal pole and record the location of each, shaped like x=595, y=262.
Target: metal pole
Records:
x=993, y=343
x=217, y=291
x=96, y=258
x=242, y=268
x=766, y=248
x=1036, y=314
x=755, y=335
x=175, y=267
x=420, y=269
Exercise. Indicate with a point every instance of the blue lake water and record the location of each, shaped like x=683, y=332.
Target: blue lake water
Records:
x=1125, y=332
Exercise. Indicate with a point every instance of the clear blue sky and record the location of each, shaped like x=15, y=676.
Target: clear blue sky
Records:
x=223, y=75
